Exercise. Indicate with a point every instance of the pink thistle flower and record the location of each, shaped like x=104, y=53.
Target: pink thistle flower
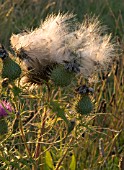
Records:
x=5, y=107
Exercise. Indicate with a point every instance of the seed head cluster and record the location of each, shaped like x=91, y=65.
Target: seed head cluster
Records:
x=59, y=39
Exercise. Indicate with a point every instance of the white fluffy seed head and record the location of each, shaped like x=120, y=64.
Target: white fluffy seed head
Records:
x=60, y=38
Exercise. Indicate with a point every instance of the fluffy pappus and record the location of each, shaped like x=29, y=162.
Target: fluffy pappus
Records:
x=61, y=38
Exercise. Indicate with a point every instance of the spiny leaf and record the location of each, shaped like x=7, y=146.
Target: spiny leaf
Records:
x=49, y=160
x=73, y=163
x=58, y=110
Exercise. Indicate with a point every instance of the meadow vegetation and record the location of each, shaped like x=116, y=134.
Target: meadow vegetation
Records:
x=44, y=130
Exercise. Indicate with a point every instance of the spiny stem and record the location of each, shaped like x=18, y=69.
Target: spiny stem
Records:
x=38, y=147
x=23, y=137
x=62, y=158
x=37, y=151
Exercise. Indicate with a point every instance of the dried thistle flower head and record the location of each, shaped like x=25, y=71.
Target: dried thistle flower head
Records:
x=60, y=38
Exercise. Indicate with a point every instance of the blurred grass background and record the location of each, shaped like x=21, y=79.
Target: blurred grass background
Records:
x=99, y=138
x=18, y=15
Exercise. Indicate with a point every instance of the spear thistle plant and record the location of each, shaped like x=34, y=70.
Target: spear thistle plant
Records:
x=57, y=51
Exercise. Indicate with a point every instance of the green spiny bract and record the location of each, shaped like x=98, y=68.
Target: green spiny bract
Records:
x=61, y=76
x=3, y=126
x=11, y=69
x=84, y=106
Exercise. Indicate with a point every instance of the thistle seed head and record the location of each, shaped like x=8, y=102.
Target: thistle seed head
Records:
x=61, y=38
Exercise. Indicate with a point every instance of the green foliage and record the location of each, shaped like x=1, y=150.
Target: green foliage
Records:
x=41, y=133
x=73, y=163
x=3, y=126
x=58, y=110
x=48, y=160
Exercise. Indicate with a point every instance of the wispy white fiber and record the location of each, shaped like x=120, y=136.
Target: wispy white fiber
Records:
x=60, y=38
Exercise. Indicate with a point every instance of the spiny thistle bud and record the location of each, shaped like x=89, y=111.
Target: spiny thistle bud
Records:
x=84, y=106
x=61, y=76
x=11, y=69
x=60, y=38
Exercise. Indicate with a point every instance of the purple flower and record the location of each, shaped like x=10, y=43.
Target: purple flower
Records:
x=5, y=107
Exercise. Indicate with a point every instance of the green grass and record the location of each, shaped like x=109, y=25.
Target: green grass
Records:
x=97, y=140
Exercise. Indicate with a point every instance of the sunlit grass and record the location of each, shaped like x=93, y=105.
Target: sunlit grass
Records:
x=97, y=140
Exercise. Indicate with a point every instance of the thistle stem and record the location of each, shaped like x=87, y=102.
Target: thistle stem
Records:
x=23, y=137
x=38, y=147
x=62, y=158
